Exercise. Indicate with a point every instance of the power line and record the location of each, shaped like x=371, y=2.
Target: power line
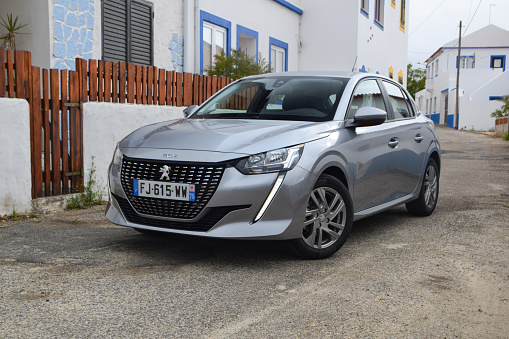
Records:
x=466, y=29
x=422, y=23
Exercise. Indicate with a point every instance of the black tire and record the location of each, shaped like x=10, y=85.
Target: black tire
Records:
x=328, y=220
x=425, y=204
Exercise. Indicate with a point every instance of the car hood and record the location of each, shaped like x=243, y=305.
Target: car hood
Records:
x=225, y=135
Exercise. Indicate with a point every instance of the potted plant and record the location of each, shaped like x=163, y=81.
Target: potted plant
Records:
x=12, y=28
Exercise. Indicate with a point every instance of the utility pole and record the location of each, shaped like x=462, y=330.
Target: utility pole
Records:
x=457, y=115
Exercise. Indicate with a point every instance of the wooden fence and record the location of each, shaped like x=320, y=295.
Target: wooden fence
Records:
x=56, y=100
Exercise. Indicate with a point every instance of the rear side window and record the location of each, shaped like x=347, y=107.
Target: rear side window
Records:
x=367, y=94
x=400, y=105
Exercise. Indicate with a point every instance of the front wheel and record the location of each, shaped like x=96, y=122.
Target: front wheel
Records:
x=425, y=204
x=328, y=220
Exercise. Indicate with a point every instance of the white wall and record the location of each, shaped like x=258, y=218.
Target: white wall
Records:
x=105, y=124
x=35, y=14
x=329, y=35
x=168, y=19
x=15, y=167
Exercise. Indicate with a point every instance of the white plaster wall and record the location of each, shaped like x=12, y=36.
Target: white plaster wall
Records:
x=329, y=35
x=105, y=124
x=35, y=14
x=477, y=114
x=15, y=167
x=267, y=17
x=168, y=19
x=379, y=49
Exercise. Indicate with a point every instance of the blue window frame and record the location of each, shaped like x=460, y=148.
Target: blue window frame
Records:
x=379, y=13
x=498, y=61
x=365, y=8
x=241, y=30
x=495, y=98
x=277, y=47
x=208, y=21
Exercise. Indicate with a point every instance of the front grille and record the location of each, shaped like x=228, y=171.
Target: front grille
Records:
x=205, y=177
x=211, y=217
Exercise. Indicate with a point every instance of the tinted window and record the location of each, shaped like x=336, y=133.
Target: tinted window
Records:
x=398, y=102
x=277, y=98
x=367, y=94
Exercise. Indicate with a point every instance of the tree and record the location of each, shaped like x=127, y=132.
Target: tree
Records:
x=416, y=80
x=237, y=65
x=504, y=110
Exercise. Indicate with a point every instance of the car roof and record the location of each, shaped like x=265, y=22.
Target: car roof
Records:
x=338, y=74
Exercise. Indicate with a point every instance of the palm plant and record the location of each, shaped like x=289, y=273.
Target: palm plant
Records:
x=12, y=28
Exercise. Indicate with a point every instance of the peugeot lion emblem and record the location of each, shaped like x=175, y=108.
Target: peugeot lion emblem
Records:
x=165, y=170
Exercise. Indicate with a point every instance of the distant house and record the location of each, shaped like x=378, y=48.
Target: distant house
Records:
x=184, y=35
x=483, y=78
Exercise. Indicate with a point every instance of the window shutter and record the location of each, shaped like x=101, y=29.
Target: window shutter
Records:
x=141, y=33
x=114, y=30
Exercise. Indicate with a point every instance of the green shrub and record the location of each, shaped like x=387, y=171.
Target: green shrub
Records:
x=237, y=65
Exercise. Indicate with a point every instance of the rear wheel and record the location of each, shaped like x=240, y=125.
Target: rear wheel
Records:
x=425, y=204
x=328, y=220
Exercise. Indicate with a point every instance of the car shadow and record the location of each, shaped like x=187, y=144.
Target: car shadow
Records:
x=177, y=249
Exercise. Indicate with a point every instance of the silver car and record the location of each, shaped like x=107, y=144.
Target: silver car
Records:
x=293, y=156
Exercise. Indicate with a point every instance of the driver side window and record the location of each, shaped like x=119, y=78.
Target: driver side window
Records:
x=367, y=94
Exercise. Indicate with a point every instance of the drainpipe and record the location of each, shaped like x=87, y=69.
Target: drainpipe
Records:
x=189, y=16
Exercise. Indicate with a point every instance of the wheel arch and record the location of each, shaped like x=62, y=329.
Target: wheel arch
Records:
x=337, y=173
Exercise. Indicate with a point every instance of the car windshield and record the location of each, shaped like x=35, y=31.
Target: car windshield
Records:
x=277, y=98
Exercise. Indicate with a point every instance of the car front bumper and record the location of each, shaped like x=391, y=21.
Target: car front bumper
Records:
x=231, y=211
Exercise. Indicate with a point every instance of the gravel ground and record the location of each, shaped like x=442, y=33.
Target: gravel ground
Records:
x=72, y=274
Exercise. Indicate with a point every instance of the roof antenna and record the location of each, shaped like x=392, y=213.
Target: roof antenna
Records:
x=354, y=63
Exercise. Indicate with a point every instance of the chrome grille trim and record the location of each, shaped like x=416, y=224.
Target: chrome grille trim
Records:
x=206, y=177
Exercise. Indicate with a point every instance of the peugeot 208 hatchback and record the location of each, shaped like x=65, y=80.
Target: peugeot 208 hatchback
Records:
x=293, y=156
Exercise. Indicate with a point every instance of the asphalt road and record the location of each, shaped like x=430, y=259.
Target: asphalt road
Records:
x=73, y=275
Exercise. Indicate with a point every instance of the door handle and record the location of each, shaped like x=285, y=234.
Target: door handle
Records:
x=393, y=143
x=418, y=138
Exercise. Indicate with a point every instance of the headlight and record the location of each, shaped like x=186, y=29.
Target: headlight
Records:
x=117, y=157
x=283, y=159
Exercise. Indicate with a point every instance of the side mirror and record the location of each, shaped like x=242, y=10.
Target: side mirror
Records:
x=368, y=116
x=190, y=110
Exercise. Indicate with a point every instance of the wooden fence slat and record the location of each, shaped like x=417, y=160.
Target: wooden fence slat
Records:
x=173, y=88
x=107, y=81
x=10, y=74
x=55, y=132
x=73, y=97
x=150, y=83
x=144, y=86
x=161, y=87
x=78, y=157
x=154, y=89
x=115, y=80
x=208, y=87
x=178, y=89
x=46, y=117
x=36, y=122
x=21, y=75
x=138, y=85
x=122, y=78
x=65, y=127
x=214, y=84
x=83, y=79
x=200, y=89
x=100, y=81
x=169, y=82
x=196, y=84
x=130, y=83
x=92, y=78
x=2, y=72
x=188, y=89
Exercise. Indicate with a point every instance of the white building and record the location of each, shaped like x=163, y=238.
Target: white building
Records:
x=183, y=35
x=483, y=78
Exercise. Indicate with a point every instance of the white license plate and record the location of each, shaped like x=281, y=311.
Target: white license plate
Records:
x=164, y=190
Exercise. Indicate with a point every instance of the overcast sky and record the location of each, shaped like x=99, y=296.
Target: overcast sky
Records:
x=429, y=33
